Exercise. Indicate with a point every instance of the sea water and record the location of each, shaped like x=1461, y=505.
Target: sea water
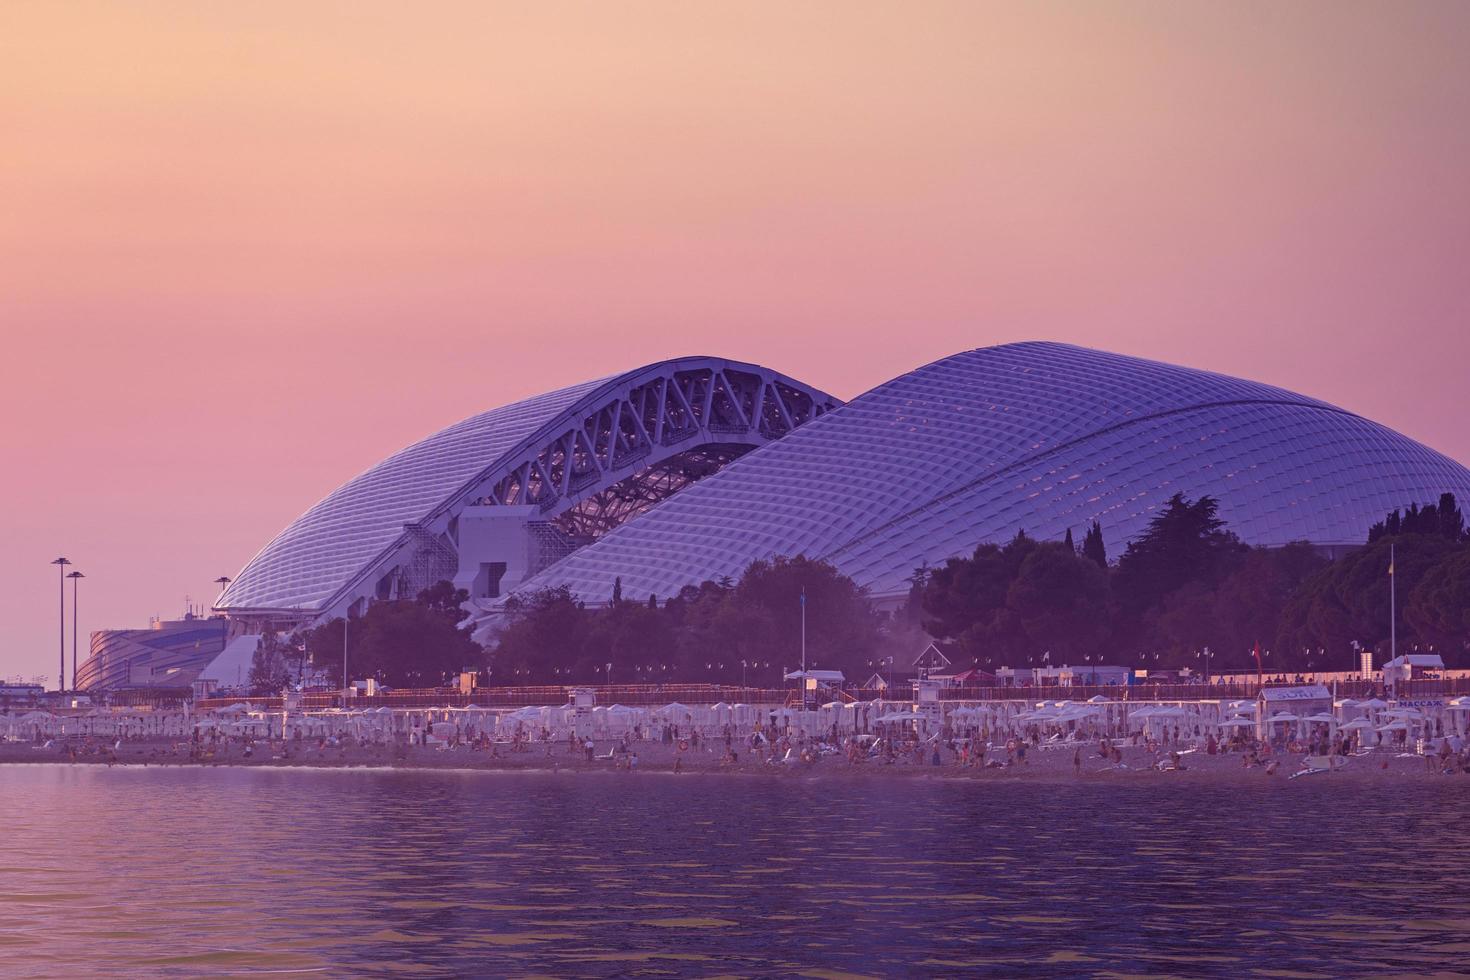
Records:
x=198, y=871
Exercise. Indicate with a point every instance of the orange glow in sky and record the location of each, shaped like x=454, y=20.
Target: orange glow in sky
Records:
x=249, y=249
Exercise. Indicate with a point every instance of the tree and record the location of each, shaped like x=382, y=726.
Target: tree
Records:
x=1014, y=603
x=1093, y=547
x=1438, y=607
x=1349, y=599
x=268, y=672
x=617, y=593
x=1061, y=601
x=545, y=629
x=964, y=600
x=403, y=643
x=1186, y=542
x=1250, y=602
x=841, y=629
x=700, y=634
x=1067, y=541
x=913, y=606
x=1442, y=519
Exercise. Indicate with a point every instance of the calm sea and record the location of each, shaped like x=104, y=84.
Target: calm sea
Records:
x=183, y=872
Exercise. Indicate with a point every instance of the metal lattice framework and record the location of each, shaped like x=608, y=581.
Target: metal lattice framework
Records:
x=588, y=458
x=636, y=427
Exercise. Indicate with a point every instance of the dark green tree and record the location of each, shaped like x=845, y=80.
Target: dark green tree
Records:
x=1349, y=599
x=1186, y=542
x=1438, y=607
x=1060, y=600
x=268, y=671
x=402, y=643
x=1093, y=547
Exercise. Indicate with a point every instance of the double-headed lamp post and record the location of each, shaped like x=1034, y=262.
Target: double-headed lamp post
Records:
x=75, y=577
x=61, y=564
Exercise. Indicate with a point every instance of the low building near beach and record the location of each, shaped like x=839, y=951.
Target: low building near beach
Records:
x=1412, y=666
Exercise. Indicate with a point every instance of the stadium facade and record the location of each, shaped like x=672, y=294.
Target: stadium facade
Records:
x=169, y=653
x=686, y=471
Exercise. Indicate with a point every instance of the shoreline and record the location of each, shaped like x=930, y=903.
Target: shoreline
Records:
x=1052, y=767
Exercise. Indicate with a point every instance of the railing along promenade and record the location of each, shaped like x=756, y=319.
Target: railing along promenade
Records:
x=657, y=695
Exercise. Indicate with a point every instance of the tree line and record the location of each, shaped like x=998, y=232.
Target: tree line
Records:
x=1186, y=585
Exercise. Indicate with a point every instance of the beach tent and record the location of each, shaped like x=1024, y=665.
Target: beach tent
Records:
x=899, y=716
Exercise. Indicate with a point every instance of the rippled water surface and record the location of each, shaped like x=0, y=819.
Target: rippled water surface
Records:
x=233, y=871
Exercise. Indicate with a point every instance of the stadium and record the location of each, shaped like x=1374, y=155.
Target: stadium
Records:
x=688, y=470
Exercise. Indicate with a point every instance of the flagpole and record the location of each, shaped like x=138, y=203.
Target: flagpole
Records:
x=1393, y=610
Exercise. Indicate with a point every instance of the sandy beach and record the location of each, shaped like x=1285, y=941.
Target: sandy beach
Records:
x=1048, y=764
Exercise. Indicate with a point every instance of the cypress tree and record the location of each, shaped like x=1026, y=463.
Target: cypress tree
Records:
x=1093, y=547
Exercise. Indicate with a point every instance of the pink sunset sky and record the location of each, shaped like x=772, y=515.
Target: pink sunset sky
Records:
x=249, y=249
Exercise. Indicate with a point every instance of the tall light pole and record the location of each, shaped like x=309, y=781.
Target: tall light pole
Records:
x=74, y=576
x=61, y=564
x=222, y=582
x=803, y=648
x=345, y=620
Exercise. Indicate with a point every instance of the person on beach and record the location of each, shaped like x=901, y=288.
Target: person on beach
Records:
x=1077, y=761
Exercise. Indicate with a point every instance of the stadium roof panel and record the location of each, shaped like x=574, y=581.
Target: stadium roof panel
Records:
x=1033, y=436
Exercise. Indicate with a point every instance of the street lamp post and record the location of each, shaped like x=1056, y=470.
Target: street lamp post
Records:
x=74, y=576
x=803, y=648
x=61, y=564
x=344, y=660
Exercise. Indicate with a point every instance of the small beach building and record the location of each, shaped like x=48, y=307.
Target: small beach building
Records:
x=1411, y=666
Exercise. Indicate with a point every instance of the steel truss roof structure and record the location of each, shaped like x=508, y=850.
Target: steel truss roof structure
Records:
x=1035, y=436
x=588, y=458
